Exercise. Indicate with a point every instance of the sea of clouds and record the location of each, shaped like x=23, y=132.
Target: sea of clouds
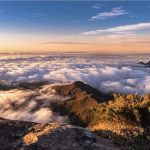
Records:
x=107, y=73
x=28, y=105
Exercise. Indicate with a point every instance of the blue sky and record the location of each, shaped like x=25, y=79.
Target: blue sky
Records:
x=70, y=18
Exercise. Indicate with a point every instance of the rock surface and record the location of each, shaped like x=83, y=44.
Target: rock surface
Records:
x=20, y=135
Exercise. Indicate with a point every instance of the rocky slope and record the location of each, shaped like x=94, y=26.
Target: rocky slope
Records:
x=17, y=135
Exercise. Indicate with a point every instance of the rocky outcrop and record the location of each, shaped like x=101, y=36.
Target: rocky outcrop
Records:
x=16, y=135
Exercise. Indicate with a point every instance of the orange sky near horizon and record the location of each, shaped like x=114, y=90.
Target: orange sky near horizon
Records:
x=103, y=49
x=77, y=43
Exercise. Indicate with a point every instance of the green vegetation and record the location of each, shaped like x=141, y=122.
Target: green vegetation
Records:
x=131, y=109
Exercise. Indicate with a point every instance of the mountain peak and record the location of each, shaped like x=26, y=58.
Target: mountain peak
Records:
x=78, y=87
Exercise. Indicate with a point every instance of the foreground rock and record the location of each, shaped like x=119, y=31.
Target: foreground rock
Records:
x=16, y=135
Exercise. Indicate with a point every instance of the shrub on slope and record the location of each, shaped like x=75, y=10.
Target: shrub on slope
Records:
x=125, y=120
x=131, y=109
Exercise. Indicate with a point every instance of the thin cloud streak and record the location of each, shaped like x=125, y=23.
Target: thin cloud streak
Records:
x=72, y=43
x=2, y=11
x=35, y=15
x=120, y=29
x=117, y=11
x=97, y=6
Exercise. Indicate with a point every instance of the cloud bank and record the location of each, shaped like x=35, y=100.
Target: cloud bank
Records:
x=107, y=73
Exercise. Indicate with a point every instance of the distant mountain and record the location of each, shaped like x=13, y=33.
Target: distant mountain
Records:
x=17, y=135
x=147, y=64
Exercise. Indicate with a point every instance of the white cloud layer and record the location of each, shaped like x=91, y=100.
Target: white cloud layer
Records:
x=106, y=73
x=117, y=11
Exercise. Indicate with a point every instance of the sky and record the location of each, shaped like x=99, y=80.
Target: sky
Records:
x=106, y=27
